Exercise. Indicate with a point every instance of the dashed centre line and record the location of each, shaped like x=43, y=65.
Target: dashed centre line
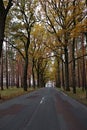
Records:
x=42, y=100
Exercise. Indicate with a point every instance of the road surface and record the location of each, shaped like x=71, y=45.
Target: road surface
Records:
x=45, y=109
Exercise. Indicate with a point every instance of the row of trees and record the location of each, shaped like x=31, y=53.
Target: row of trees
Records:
x=12, y=62
x=47, y=41
x=67, y=20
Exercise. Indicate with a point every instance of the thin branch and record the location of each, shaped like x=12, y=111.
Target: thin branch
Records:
x=9, y=6
x=15, y=48
x=78, y=58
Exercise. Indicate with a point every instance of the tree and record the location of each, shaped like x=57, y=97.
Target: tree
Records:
x=37, y=48
x=58, y=17
x=1, y=71
x=73, y=51
x=78, y=21
x=3, y=14
x=21, y=31
x=6, y=65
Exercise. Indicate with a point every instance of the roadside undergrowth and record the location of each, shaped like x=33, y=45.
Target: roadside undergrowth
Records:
x=13, y=92
x=79, y=96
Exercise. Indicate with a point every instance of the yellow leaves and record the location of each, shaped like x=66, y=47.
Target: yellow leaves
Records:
x=40, y=38
x=19, y=17
x=23, y=3
x=5, y=3
x=61, y=32
x=80, y=28
x=38, y=29
x=19, y=44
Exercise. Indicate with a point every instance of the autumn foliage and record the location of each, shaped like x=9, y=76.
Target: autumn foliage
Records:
x=45, y=40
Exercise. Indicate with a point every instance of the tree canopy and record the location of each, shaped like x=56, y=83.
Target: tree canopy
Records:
x=47, y=40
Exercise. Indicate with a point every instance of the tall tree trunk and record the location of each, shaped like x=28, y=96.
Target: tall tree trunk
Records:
x=3, y=14
x=17, y=80
x=33, y=74
x=73, y=52
x=2, y=28
x=17, y=75
x=86, y=79
x=38, y=76
x=21, y=82
x=63, y=84
x=73, y=67
x=29, y=80
x=58, y=74
x=9, y=78
x=2, y=72
x=86, y=44
x=6, y=65
x=42, y=83
x=66, y=69
x=21, y=74
x=83, y=64
x=25, y=74
x=78, y=67
x=12, y=74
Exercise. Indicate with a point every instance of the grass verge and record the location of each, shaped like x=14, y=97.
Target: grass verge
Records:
x=10, y=93
x=79, y=96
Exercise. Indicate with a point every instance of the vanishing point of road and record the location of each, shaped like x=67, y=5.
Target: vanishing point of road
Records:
x=45, y=109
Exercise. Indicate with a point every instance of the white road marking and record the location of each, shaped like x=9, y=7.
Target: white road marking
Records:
x=64, y=94
x=42, y=100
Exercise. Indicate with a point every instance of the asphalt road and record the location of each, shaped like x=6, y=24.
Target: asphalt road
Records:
x=45, y=109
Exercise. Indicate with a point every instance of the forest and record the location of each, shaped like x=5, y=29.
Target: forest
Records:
x=41, y=41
